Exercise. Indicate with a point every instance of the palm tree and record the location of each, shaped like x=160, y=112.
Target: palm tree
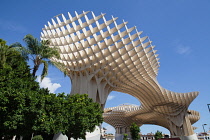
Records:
x=40, y=53
x=7, y=53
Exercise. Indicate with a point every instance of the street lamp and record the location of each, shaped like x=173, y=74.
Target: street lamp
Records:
x=204, y=131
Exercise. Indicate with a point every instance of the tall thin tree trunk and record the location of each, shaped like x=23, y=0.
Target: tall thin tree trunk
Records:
x=35, y=70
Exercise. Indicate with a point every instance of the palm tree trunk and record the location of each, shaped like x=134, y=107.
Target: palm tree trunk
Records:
x=36, y=67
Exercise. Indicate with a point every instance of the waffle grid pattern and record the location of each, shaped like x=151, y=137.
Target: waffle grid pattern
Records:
x=103, y=56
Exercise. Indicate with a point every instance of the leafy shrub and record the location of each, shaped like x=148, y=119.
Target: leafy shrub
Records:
x=37, y=137
x=125, y=136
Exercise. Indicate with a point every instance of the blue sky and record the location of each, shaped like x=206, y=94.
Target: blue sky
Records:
x=180, y=29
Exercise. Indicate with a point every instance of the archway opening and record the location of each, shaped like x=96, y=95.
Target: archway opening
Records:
x=117, y=99
x=152, y=129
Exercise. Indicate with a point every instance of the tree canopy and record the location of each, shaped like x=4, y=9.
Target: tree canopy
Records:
x=39, y=52
x=158, y=135
x=7, y=54
x=134, y=129
x=19, y=96
x=84, y=115
x=25, y=108
x=73, y=115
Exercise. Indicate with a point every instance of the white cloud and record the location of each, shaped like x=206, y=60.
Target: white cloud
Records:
x=12, y=26
x=47, y=83
x=181, y=49
x=110, y=97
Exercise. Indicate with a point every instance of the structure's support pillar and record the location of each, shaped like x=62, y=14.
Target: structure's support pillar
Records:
x=188, y=130
x=181, y=127
x=187, y=127
x=118, y=134
x=120, y=131
x=127, y=131
x=82, y=83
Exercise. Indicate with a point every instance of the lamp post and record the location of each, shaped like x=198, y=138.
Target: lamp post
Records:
x=204, y=131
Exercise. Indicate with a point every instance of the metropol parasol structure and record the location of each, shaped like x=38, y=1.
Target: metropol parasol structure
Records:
x=102, y=56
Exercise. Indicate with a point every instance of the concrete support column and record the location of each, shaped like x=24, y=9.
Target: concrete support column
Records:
x=180, y=126
x=187, y=127
x=120, y=131
x=91, y=85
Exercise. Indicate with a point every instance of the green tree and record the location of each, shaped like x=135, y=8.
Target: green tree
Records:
x=158, y=135
x=17, y=90
x=25, y=108
x=73, y=115
x=40, y=53
x=134, y=129
x=7, y=53
x=125, y=136
x=83, y=115
x=21, y=101
x=54, y=115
